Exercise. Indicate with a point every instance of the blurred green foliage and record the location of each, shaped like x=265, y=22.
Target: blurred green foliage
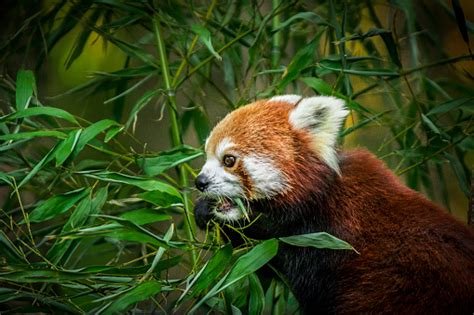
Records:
x=94, y=221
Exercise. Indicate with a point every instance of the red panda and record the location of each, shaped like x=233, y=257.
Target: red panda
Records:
x=280, y=156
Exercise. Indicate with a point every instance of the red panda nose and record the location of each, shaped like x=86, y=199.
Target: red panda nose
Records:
x=201, y=182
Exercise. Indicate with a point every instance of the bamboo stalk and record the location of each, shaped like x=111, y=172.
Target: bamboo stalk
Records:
x=176, y=137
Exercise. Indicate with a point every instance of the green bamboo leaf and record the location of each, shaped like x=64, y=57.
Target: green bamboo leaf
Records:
x=39, y=111
x=38, y=166
x=91, y=132
x=56, y=205
x=256, y=295
x=302, y=59
x=209, y=272
x=34, y=134
x=244, y=266
x=430, y=124
x=87, y=207
x=362, y=123
x=153, y=166
x=451, y=105
x=25, y=88
x=321, y=87
x=113, y=132
x=365, y=73
x=42, y=276
x=141, y=292
x=318, y=240
x=160, y=198
x=140, y=182
x=140, y=104
x=205, y=38
x=66, y=147
x=145, y=216
x=308, y=16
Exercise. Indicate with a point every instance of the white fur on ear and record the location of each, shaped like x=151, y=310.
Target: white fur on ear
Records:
x=288, y=98
x=322, y=116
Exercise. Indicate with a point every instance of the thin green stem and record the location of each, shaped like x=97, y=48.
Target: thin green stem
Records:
x=176, y=138
x=413, y=70
x=276, y=38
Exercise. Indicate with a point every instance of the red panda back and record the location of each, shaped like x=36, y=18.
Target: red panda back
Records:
x=414, y=257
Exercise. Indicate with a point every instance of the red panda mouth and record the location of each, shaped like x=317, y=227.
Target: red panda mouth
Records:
x=225, y=205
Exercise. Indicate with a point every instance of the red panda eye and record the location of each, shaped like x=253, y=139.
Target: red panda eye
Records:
x=229, y=160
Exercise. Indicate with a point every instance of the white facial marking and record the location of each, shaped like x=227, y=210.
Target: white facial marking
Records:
x=288, y=98
x=322, y=116
x=231, y=215
x=224, y=145
x=267, y=180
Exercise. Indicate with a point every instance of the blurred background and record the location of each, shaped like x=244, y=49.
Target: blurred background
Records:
x=164, y=72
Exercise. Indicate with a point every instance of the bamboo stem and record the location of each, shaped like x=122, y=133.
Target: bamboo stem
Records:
x=176, y=137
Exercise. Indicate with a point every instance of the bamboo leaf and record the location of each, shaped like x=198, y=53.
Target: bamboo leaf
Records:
x=25, y=88
x=451, y=105
x=66, y=147
x=34, y=134
x=210, y=272
x=153, y=166
x=141, y=182
x=256, y=295
x=145, y=216
x=318, y=240
x=308, y=16
x=205, y=38
x=91, y=132
x=39, y=111
x=244, y=266
x=56, y=205
x=141, y=292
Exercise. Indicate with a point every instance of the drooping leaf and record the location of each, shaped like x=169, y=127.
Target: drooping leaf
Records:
x=38, y=166
x=244, y=266
x=308, y=16
x=91, y=132
x=141, y=182
x=210, y=272
x=205, y=38
x=39, y=111
x=256, y=295
x=25, y=88
x=66, y=147
x=153, y=166
x=33, y=134
x=318, y=240
x=451, y=105
x=145, y=216
x=138, y=293
x=160, y=198
x=302, y=59
x=56, y=205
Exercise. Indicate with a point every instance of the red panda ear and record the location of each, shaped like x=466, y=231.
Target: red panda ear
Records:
x=322, y=117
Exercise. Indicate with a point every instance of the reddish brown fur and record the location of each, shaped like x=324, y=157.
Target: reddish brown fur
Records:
x=414, y=257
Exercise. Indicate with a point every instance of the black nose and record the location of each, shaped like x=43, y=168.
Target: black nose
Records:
x=201, y=182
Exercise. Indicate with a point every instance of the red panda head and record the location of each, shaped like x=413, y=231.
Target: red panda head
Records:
x=270, y=149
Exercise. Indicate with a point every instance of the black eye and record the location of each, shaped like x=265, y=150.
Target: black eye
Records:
x=229, y=160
